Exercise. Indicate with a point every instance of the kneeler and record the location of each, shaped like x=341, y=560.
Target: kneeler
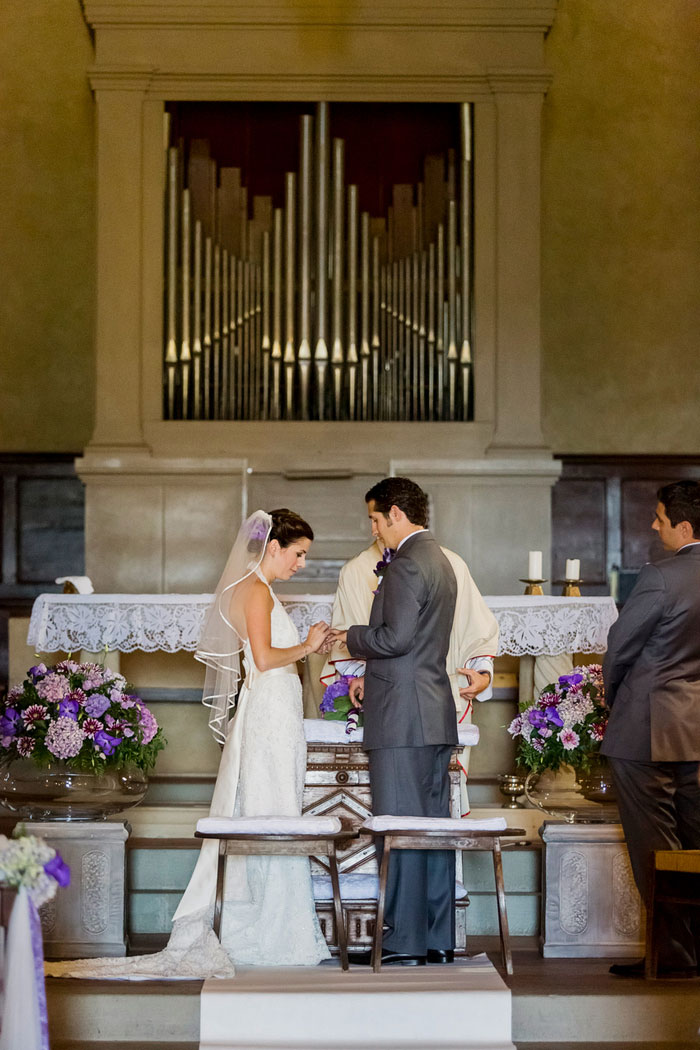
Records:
x=280, y=837
x=442, y=833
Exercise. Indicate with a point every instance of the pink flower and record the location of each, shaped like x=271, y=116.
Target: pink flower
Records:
x=53, y=687
x=64, y=738
x=569, y=739
x=516, y=726
x=78, y=695
x=25, y=746
x=597, y=731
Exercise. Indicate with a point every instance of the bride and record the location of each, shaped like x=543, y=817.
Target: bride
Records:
x=268, y=917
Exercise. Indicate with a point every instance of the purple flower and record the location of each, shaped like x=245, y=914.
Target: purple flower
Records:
x=554, y=717
x=571, y=680
x=333, y=691
x=68, y=709
x=78, y=695
x=536, y=718
x=58, y=870
x=127, y=701
x=96, y=705
x=149, y=726
x=259, y=530
x=108, y=744
x=545, y=732
x=9, y=722
x=38, y=671
x=386, y=559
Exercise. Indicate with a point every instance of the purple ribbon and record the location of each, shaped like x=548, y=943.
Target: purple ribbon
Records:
x=38, y=954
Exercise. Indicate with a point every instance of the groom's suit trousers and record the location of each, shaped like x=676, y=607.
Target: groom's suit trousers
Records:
x=414, y=781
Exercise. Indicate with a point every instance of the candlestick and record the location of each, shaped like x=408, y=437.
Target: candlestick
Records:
x=533, y=586
x=573, y=569
x=534, y=565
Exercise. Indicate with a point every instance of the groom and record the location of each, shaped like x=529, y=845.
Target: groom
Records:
x=409, y=716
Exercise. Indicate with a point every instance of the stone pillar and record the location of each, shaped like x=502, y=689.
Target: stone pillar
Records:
x=517, y=263
x=86, y=919
x=119, y=250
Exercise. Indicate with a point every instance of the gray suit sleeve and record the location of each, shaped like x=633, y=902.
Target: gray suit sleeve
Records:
x=402, y=585
x=629, y=634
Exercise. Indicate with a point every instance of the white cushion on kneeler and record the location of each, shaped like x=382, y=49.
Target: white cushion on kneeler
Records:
x=451, y=825
x=269, y=825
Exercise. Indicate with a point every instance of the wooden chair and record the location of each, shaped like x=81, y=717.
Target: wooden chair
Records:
x=447, y=834
x=675, y=879
x=281, y=837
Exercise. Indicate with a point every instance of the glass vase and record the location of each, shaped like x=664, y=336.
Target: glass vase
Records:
x=55, y=792
x=574, y=796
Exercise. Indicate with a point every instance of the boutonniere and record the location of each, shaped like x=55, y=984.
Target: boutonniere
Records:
x=382, y=565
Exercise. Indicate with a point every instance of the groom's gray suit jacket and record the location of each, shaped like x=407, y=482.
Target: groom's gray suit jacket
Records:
x=652, y=666
x=408, y=699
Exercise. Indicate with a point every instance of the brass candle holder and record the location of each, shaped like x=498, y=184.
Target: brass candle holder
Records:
x=533, y=586
x=570, y=588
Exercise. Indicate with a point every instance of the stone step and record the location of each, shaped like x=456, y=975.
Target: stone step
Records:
x=557, y=1004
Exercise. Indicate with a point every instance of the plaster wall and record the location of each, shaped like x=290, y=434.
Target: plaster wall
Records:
x=621, y=228
x=47, y=263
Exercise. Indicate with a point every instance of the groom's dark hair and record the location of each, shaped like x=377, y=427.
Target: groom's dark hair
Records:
x=402, y=493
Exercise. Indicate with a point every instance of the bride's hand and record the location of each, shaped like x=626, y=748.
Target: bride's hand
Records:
x=317, y=636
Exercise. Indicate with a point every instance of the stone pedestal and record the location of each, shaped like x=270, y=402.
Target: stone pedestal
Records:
x=86, y=919
x=590, y=904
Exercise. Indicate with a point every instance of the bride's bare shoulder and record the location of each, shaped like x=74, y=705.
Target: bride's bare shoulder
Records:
x=259, y=596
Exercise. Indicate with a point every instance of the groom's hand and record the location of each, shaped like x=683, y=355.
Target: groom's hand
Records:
x=476, y=682
x=337, y=637
x=356, y=691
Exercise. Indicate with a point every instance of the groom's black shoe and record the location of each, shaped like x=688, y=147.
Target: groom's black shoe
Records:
x=388, y=959
x=440, y=955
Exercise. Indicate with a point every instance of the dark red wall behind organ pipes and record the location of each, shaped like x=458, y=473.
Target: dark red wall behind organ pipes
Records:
x=385, y=143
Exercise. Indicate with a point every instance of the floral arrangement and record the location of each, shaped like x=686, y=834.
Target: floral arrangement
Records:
x=26, y=860
x=337, y=706
x=82, y=713
x=383, y=564
x=566, y=725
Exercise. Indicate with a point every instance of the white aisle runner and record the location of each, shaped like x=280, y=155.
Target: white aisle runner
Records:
x=465, y=1006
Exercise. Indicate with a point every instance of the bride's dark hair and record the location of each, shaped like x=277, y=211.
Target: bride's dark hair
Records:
x=288, y=527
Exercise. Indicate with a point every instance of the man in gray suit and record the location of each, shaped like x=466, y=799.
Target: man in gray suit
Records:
x=652, y=686
x=409, y=716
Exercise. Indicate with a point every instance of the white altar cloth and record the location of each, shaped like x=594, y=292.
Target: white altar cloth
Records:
x=172, y=622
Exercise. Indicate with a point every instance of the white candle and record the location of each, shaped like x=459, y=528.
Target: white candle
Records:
x=534, y=565
x=573, y=569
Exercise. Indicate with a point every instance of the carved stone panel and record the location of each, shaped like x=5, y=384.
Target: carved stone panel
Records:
x=590, y=903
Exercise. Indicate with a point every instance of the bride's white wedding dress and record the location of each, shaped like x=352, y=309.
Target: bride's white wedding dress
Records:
x=268, y=916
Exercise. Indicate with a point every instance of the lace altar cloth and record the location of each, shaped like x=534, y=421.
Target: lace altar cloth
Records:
x=172, y=622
